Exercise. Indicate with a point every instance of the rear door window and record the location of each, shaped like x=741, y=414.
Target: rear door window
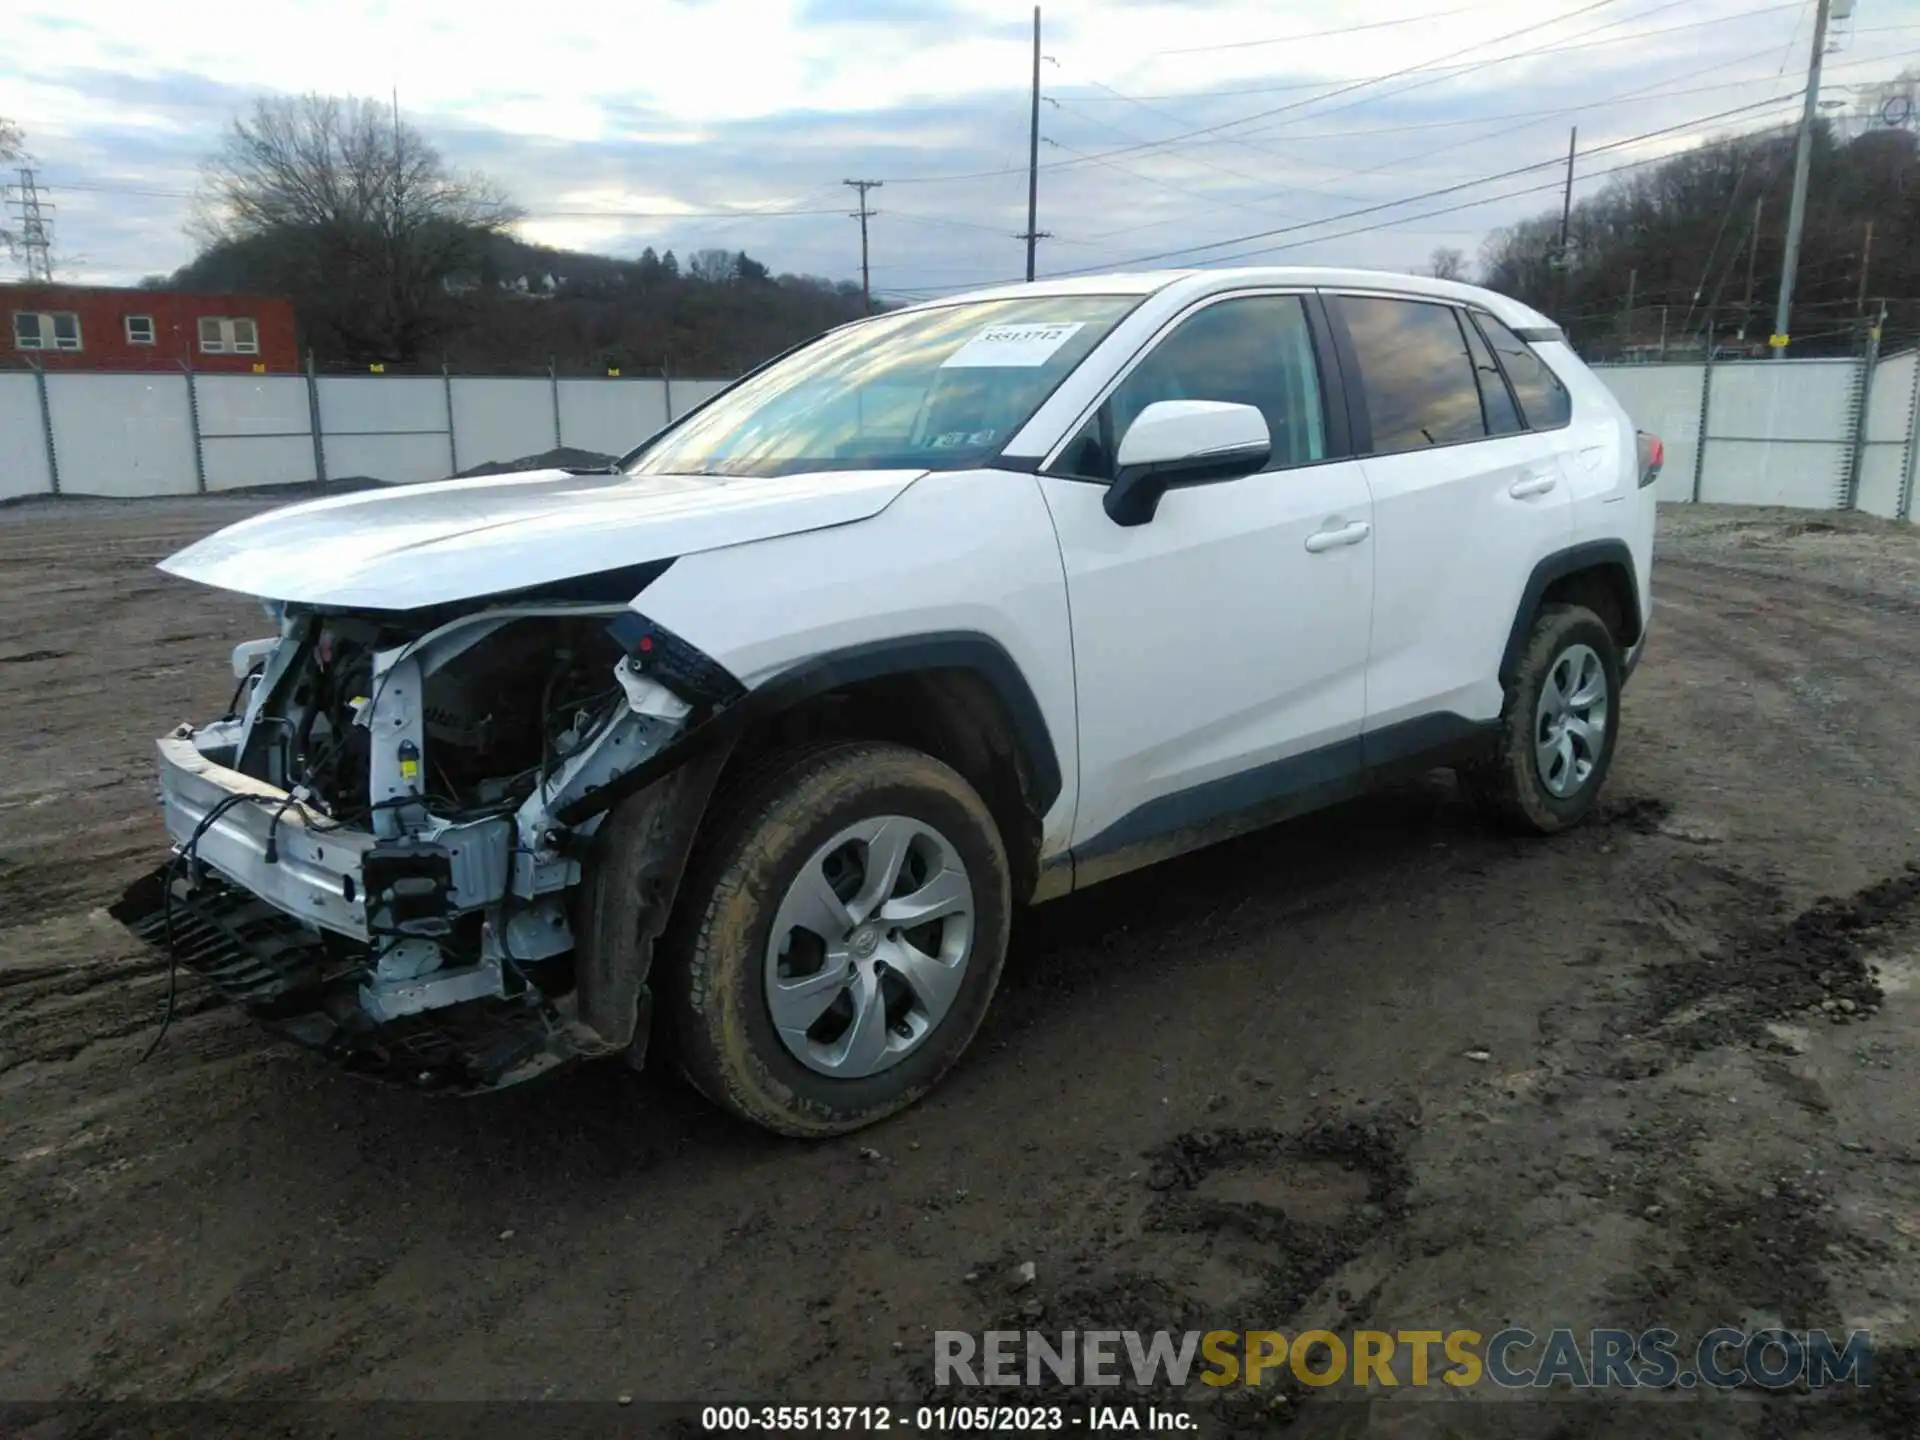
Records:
x=1416, y=373
x=1543, y=399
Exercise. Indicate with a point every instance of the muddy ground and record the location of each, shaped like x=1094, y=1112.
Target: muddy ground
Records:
x=1380, y=1068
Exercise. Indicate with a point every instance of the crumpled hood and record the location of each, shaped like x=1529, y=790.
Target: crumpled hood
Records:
x=417, y=545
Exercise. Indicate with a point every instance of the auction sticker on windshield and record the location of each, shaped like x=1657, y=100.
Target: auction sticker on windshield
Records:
x=1022, y=346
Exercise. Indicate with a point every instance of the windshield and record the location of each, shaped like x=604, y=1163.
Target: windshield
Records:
x=927, y=389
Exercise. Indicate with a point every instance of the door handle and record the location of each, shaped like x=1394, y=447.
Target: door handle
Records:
x=1333, y=539
x=1532, y=485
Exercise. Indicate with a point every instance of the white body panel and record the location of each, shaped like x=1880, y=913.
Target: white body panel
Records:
x=1210, y=640
x=418, y=545
x=1456, y=544
x=1603, y=458
x=967, y=550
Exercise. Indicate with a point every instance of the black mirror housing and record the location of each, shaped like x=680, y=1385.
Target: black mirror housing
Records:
x=1134, y=496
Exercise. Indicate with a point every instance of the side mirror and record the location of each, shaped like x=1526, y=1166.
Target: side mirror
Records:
x=1183, y=442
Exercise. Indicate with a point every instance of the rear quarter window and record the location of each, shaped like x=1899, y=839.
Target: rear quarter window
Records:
x=1543, y=399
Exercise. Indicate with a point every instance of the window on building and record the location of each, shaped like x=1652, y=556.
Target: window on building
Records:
x=1417, y=375
x=139, y=329
x=225, y=336
x=46, y=330
x=1543, y=399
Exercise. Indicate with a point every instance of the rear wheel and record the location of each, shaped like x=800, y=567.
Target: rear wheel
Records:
x=839, y=939
x=1559, y=725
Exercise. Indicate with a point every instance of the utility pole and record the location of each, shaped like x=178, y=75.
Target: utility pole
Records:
x=1633, y=283
x=36, y=228
x=862, y=215
x=1753, y=256
x=1802, y=163
x=1866, y=258
x=1032, y=235
x=1566, y=214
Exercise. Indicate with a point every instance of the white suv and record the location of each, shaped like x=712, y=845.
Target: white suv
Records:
x=752, y=741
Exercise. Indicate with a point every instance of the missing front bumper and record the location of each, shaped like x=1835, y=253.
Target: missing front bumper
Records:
x=305, y=986
x=318, y=869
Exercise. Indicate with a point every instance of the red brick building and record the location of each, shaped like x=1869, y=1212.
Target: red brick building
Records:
x=78, y=327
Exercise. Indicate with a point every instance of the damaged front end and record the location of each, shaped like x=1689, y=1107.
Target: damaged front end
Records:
x=380, y=853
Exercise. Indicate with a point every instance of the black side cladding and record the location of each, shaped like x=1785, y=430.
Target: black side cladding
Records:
x=723, y=707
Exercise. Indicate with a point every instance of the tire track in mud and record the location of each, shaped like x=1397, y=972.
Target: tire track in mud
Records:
x=1240, y=1229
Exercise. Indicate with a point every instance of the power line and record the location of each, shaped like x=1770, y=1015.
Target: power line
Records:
x=1448, y=189
x=1342, y=87
x=1533, y=116
x=1444, y=210
x=1531, y=52
x=1535, y=189
x=1320, y=34
x=1103, y=159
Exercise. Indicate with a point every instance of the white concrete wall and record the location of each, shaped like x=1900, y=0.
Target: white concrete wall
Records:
x=1890, y=424
x=23, y=443
x=502, y=419
x=689, y=393
x=122, y=434
x=392, y=428
x=1777, y=432
x=611, y=416
x=254, y=430
x=1664, y=400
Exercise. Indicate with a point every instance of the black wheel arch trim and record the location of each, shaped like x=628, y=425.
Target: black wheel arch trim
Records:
x=1589, y=555
x=724, y=710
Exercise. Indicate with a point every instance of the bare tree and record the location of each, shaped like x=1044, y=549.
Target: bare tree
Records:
x=716, y=267
x=1446, y=263
x=353, y=214
x=12, y=148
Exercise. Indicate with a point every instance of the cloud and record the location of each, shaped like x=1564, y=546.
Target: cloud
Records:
x=667, y=113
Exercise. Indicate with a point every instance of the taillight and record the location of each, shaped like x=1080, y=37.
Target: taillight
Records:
x=1653, y=454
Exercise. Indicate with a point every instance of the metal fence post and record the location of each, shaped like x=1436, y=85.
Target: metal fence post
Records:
x=666, y=381
x=1903, y=508
x=193, y=419
x=313, y=423
x=53, y=457
x=553, y=383
x=453, y=447
x=1863, y=405
x=1706, y=401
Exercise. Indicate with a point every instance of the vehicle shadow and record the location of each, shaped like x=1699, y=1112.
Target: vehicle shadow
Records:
x=608, y=1124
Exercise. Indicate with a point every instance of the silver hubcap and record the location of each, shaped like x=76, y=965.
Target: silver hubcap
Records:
x=869, y=947
x=1570, y=722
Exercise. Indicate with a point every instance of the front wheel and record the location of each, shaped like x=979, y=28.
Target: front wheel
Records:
x=839, y=940
x=1558, y=728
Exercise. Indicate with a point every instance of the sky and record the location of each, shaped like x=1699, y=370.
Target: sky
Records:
x=1171, y=133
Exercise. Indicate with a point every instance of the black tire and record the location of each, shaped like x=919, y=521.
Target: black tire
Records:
x=712, y=972
x=1509, y=785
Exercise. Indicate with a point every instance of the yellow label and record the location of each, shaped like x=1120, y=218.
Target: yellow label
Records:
x=409, y=769
x=613, y=372
x=377, y=368
x=1779, y=342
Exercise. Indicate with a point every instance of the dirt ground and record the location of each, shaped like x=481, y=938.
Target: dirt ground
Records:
x=1379, y=1068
